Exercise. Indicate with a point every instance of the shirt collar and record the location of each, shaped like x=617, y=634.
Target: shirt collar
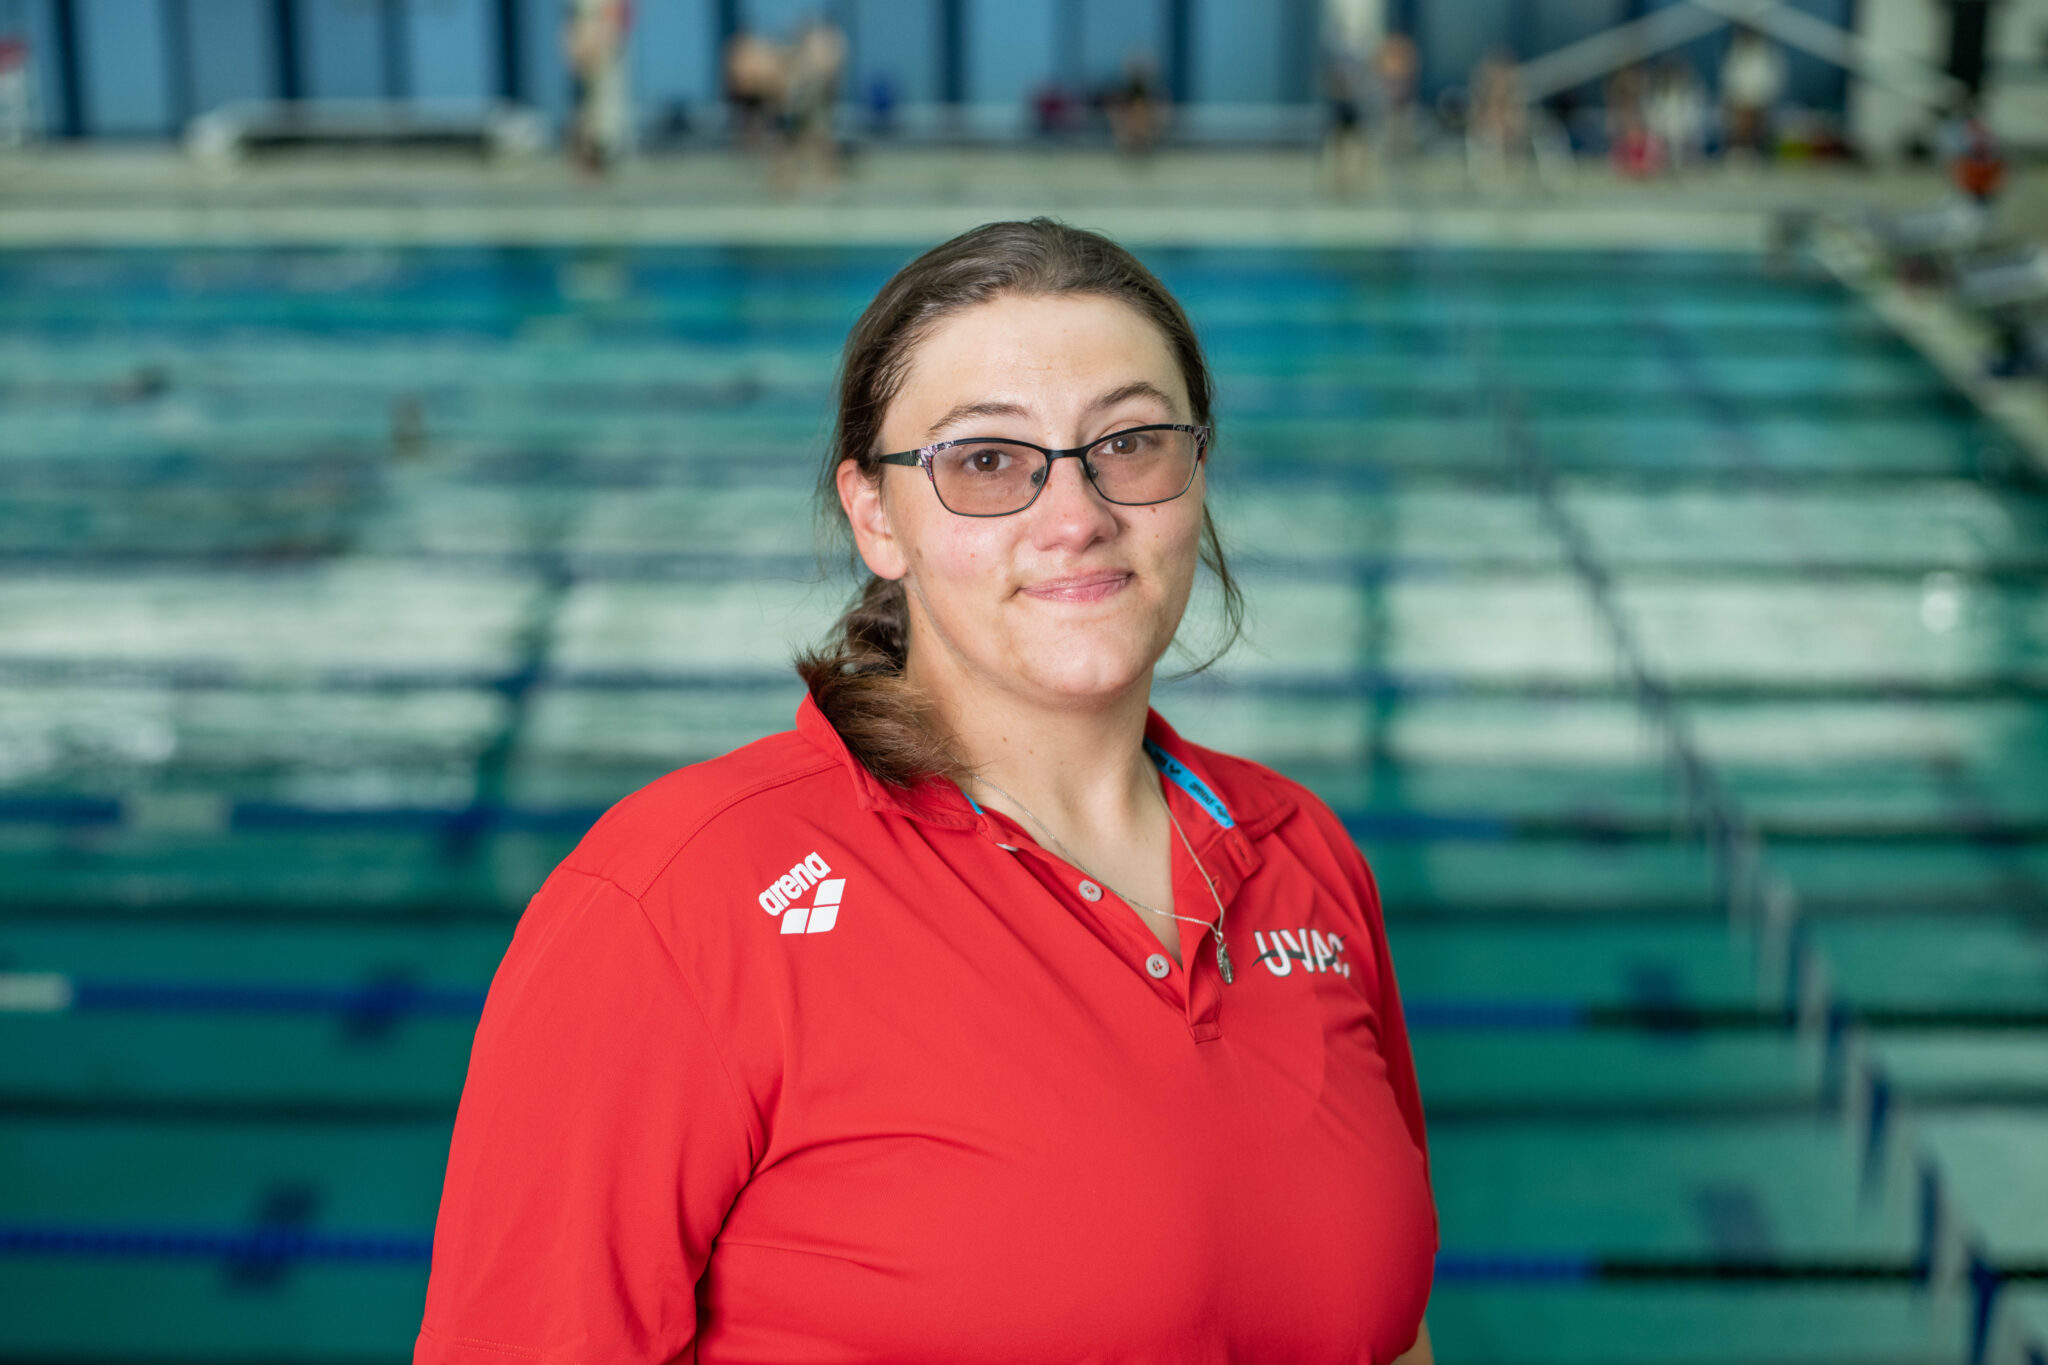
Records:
x=1223, y=819
x=935, y=800
x=1236, y=816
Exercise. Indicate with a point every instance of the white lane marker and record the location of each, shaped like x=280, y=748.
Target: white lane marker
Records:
x=34, y=992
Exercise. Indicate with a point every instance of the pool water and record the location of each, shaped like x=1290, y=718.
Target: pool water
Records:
x=1597, y=592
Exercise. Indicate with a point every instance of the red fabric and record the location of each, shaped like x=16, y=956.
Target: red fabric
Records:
x=1980, y=170
x=964, y=1123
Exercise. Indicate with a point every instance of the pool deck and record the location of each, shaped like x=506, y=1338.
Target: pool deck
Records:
x=1266, y=196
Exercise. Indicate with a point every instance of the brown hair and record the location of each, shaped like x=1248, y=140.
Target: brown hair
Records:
x=856, y=678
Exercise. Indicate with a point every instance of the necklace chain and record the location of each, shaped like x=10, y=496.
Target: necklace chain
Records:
x=1222, y=952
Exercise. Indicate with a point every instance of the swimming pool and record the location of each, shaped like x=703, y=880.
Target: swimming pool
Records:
x=344, y=588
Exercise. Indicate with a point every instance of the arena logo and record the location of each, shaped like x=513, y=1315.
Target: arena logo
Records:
x=782, y=895
x=1315, y=951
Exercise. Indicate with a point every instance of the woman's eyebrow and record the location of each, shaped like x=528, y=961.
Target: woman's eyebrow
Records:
x=985, y=408
x=993, y=407
x=1138, y=389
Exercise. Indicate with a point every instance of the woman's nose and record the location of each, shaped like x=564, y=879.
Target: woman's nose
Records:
x=1070, y=508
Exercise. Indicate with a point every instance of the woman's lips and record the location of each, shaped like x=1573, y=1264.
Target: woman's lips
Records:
x=1080, y=587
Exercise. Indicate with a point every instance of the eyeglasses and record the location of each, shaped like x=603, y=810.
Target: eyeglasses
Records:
x=990, y=477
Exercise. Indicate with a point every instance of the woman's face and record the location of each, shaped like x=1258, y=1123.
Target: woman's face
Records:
x=1072, y=600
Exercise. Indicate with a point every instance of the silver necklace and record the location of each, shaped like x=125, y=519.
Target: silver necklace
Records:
x=1222, y=952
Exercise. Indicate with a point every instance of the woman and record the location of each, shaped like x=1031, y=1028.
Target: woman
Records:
x=981, y=1017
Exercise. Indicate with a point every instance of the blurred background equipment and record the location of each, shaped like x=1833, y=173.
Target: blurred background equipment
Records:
x=1633, y=442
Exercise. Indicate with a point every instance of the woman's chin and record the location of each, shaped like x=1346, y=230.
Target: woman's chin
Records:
x=1083, y=681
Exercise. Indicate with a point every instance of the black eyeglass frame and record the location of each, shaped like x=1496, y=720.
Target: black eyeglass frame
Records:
x=922, y=457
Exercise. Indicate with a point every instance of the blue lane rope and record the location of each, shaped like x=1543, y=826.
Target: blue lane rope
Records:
x=1424, y=827
x=203, y=997
x=210, y=1244
x=52, y=992
x=126, y=673
x=279, y=816
x=1557, y=1268
x=66, y=811
x=1453, y=1267
x=1369, y=826
x=23, y=992
x=1518, y=1016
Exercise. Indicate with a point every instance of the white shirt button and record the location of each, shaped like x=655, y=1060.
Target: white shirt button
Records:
x=1158, y=966
x=1090, y=891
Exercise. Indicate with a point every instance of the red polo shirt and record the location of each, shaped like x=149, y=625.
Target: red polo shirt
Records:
x=784, y=1065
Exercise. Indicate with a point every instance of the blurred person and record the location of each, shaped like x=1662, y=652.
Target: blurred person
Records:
x=1348, y=97
x=1062, y=1037
x=594, y=40
x=1752, y=83
x=1562, y=112
x=1054, y=109
x=143, y=384
x=1348, y=89
x=1496, y=119
x=1396, y=68
x=409, y=438
x=817, y=61
x=881, y=101
x=1676, y=114
x=1631, y=146
x=672, y=123
x=1972, y=155
x=756, y=77
x=17, y=92
x=1136, y=105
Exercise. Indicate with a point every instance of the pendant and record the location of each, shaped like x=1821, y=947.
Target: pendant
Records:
x=1223, y=959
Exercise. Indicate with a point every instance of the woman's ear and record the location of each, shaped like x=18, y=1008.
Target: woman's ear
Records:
x=868, y=514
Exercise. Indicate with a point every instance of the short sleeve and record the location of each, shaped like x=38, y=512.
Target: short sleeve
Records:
x=1395, y=1049
x=1394, y=1045
x=598, y=1147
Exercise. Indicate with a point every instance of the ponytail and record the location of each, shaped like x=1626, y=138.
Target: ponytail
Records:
x=857, y=682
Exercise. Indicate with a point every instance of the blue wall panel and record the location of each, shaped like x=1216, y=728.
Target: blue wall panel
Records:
x=900, y=39
x=1454, y=38
x=547, y=78
x=1704, y=53
x=1813, y=82
x=452, y=49
x=233, y=52
x=341, y=48
x=778, y=19
x=675, y=53
x=1237, y=52
x=1112, y=31
x=122, y=67
x=1012, y=50
x=1556, y=23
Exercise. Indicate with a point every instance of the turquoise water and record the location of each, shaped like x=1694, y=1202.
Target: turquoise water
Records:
x=342, y=588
